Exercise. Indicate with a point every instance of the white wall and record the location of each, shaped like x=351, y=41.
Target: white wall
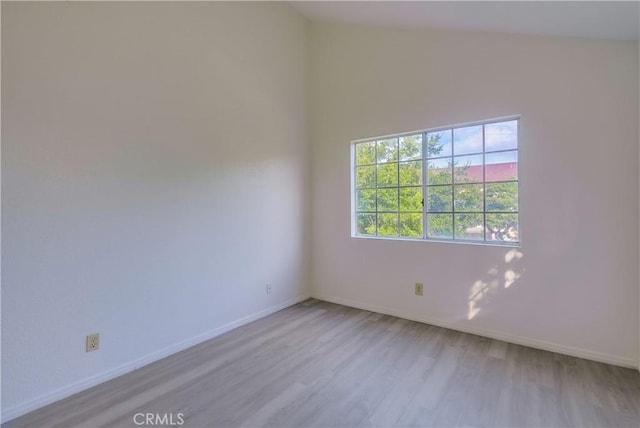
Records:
x=577, y=290
x=154, y=179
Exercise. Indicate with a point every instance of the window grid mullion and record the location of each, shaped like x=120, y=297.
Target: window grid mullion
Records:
x=453, y=194
x=490, y=152
x=398, y=185
x=484, y=190
x=375, y=145
x=425, y=235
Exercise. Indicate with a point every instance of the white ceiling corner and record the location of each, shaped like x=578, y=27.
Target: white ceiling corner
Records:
x=614, y=20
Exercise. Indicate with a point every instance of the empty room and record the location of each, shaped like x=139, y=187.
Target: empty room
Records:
x=320, y=214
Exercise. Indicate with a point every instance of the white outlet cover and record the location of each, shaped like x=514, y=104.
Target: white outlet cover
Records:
x=93, y=342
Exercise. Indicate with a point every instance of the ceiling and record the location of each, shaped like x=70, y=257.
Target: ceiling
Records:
x=617, y=20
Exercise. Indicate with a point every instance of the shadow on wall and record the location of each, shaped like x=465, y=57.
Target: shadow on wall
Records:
x=497, y=278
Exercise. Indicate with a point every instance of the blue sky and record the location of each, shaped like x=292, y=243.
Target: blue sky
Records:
x=499, y=136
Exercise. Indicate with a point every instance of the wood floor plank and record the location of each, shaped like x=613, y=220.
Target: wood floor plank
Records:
x=318, y=364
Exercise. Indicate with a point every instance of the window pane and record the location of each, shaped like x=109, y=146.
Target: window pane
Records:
x=388, y=200
x=468, y=197
x=366, y=153
x=467, y=140
x=439, y=143
x=388, y=224
x=411, y=147
x=365, y=176
x=467, y=169
x=410, y=173
x=366, y=200
x=388, y=150
x=501, y=136
x=439, y=199
x=501, y=197
x=471, y=190
x=502, y=227
x=439, y=171
x=411, y=199
x=366, y=224
x=411, y=225
x=388, y=175
x=440, y=226
x=469, y=226
x=501, y=166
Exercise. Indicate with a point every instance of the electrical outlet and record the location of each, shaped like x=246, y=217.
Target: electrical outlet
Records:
x=93, y=342
x=268, y=288
x=419, y=289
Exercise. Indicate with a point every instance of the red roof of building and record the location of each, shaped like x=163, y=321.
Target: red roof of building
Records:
x=495, y=172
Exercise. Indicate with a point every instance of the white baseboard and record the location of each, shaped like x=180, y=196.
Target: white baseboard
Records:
x=492, y=334
x=66, y=391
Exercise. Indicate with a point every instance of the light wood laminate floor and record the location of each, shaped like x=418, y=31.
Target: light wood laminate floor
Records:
x=318, y=364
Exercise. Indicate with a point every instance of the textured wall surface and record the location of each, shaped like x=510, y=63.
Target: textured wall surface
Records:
x=154, y=179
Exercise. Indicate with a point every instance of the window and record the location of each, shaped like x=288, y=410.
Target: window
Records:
x=458, y=183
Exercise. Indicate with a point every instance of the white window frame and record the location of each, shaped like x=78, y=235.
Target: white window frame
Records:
x=424, y=186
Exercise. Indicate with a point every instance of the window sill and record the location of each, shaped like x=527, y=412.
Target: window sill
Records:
x=442, y=241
